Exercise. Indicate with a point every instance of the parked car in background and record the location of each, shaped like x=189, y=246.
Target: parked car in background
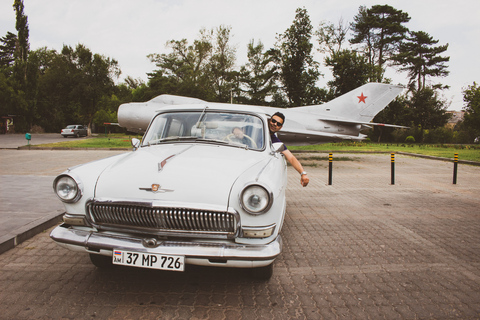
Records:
x=205, y=186
x=74, y=130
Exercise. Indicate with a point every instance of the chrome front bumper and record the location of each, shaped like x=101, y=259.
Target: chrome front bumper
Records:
x=200, y=253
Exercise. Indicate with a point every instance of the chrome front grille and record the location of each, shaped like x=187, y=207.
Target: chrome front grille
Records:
x=147, y=218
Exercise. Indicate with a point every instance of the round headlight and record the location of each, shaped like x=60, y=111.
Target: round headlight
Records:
x=255, y=199
x=67, y=189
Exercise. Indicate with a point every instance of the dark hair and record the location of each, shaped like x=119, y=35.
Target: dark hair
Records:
x=280, y=115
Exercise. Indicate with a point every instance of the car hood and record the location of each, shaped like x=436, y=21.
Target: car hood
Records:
x=190, y=174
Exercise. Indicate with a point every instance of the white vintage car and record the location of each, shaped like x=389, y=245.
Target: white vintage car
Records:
x=205, y=186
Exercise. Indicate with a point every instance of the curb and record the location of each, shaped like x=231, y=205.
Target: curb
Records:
x=69, y=149
x=10, y=241
x=473, y=163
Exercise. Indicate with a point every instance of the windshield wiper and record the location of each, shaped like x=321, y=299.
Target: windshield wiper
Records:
x=236, y=145
x=212, y=140
x=173, y=138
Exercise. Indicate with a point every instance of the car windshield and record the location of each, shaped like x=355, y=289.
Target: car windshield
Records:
x=235, y=129
x=70, y=127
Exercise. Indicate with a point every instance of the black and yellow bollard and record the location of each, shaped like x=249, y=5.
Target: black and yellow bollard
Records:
x=393, y=168
x=330, y=168
x=455, y=168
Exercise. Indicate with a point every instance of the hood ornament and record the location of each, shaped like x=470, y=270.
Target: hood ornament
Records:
x=156, y=188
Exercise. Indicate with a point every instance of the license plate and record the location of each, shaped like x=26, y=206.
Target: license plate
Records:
x=148, y=260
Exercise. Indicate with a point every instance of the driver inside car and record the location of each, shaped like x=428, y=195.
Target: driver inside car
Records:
x=239, y=136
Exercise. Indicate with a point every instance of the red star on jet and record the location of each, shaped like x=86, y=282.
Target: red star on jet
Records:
x=361, y=98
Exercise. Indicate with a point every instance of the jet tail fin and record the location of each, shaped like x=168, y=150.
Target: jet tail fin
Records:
x=361, y=104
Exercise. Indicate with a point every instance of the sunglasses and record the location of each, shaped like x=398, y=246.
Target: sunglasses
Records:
x=277, y=123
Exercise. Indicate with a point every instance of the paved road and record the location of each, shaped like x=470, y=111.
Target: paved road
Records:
x=27, y=202
x=359, y=249
x=13, y=141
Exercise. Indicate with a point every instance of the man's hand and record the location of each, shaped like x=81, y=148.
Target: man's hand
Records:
x=304, y=180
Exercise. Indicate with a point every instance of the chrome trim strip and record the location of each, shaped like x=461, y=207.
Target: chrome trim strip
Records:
x=94, y=241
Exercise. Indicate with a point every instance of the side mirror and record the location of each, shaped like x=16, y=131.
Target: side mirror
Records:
x=279, y=147
x=135, y=143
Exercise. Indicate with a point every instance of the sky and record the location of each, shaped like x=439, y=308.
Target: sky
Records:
x=128, y=30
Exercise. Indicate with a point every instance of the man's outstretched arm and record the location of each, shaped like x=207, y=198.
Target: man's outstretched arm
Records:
x=298, y=166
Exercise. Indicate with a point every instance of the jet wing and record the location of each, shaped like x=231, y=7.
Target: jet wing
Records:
x=303, y=137
x=344, y=121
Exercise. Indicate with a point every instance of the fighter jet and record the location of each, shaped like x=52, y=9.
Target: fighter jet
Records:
x=340, y=119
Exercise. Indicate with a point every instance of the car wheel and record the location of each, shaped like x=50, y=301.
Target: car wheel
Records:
x=77, y=135
x=64, y=136
x=102, y=262
x=263, y=273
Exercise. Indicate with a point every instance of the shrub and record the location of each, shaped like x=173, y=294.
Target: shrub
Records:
x=410, y=139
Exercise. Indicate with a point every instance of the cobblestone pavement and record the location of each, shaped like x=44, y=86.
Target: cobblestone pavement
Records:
x=358, y=249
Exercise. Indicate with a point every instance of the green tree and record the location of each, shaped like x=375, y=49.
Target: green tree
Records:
x=471, y=122
x=133, y=83
x=94, y=78
x=14, y=83
x=188, y=66
x=47, y=82
x=330, y=37
x=257, y=77
x=381, y=31
x=160, y=83
x=293, y=54
x=8, y=95
x=107, y=112
x=22, y=46
x=136, y=90
x=397, y=112
x=9, y=98
x=202, y=70
x=427, y=111
x=222, y=64
x=7, y=52
x=421, y=59
x=350, y=70
x=55, y=103
x=72, y=87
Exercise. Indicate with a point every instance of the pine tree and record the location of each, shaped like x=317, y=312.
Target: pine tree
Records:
x=421, y=59
x=381, y=30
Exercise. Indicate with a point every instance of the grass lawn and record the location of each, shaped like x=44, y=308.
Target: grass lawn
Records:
x=465, y=152
x=112, y=141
